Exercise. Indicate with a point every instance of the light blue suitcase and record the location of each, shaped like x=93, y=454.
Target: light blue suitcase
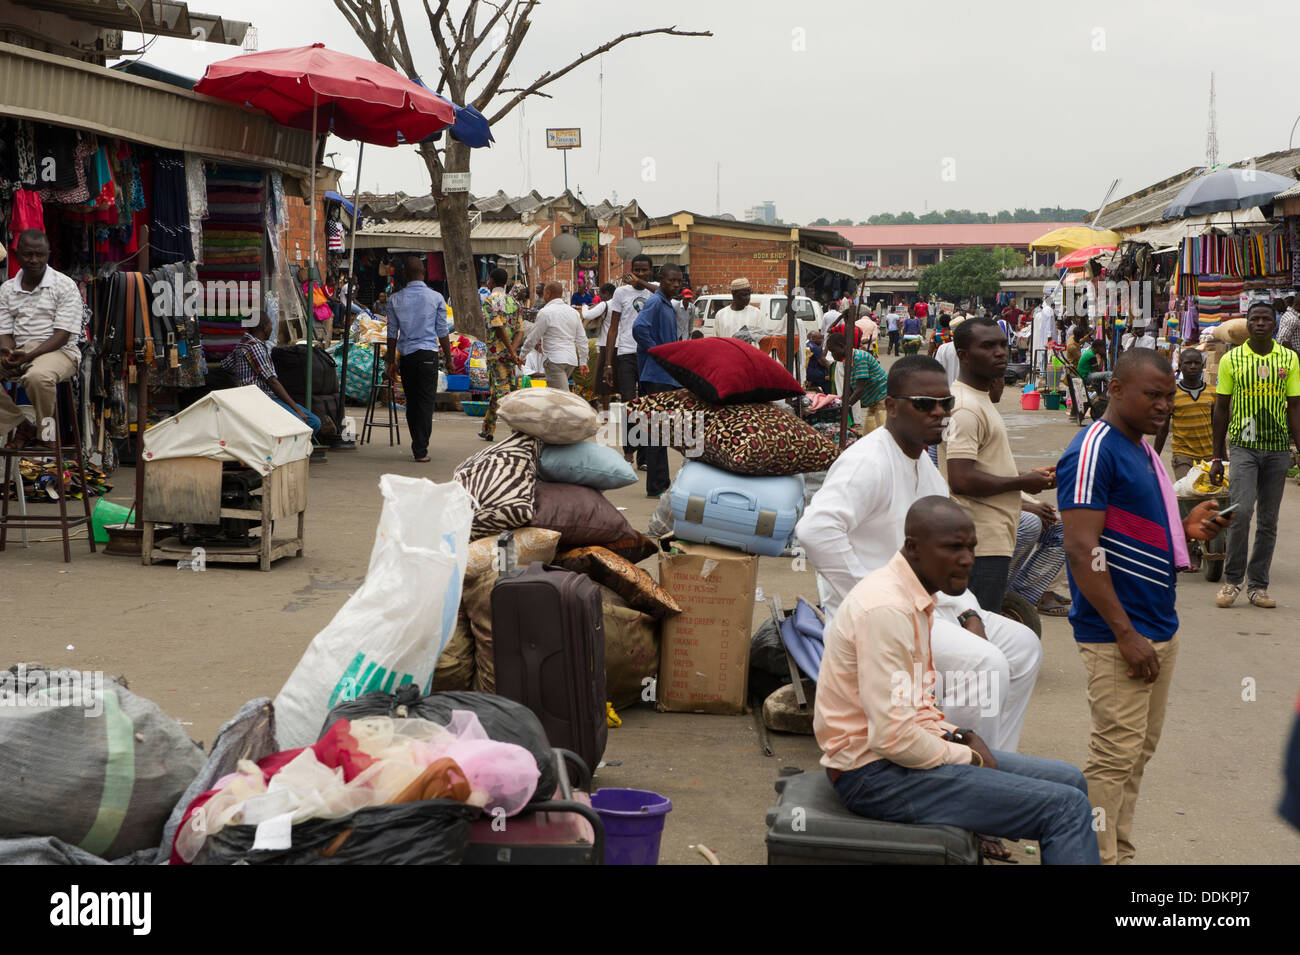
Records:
x=754, y=514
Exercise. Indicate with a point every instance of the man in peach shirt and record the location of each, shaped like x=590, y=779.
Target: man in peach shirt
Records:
x=886, y=747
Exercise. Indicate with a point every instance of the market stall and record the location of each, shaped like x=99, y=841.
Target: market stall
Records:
x=231, y=447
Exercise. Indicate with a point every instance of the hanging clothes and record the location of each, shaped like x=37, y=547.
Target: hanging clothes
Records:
x=169, y=222
x=27, y=212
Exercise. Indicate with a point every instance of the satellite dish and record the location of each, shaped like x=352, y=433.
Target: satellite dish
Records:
x=628, y=247
x=565, y=246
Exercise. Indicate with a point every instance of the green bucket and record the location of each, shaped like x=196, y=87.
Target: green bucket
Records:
x=106, y=512
x=1052, y=400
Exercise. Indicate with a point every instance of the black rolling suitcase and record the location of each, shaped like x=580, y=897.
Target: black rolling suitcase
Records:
x=810, y=826
x=548, y=638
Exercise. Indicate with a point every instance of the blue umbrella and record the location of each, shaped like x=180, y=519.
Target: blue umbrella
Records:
x=1225, y=190
x=471, y=126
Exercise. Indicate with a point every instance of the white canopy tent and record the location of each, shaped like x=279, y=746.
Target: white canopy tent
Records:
x=235, y=424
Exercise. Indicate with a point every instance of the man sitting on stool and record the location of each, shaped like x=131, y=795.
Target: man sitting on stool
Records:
x=40, y=324
x=887, y=750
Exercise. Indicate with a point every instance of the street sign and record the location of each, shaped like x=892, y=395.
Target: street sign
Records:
x=563, y=138
x=455, y=182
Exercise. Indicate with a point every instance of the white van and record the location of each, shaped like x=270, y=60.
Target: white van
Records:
x=771, y=309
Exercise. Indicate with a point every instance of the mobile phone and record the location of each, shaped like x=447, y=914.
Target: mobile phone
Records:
x=1227, y=510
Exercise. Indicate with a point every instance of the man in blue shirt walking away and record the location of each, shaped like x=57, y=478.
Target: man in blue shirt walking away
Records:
x=656, y=324
x=418, y=328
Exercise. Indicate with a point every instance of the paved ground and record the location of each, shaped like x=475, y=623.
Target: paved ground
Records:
x=202, y=644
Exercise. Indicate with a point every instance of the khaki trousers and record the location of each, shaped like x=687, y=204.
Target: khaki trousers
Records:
x=38, y=380
x=872, y=417
x=1127, y=718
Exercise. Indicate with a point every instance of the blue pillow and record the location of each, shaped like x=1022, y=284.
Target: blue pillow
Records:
x=585, y=463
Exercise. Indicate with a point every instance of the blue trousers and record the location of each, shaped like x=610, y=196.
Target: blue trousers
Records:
x=311, y=418
x=1026, y=797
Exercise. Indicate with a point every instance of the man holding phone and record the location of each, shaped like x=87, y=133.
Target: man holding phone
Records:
x=976, y=458
x=1124, y=548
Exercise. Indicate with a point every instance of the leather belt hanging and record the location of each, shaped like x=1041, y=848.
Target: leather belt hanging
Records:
x=146, y=317
x=129, y=355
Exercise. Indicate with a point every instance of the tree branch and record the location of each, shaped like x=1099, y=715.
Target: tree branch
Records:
x=404, y=46
x=519, y=27
x=444, y=54
x=548, y=77
x=478, y=40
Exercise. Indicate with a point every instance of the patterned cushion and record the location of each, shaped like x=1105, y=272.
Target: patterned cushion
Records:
x=503, y=481
x=628, y=580
x=757, y=439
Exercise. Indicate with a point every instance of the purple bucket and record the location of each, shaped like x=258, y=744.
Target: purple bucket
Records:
x=634, y=823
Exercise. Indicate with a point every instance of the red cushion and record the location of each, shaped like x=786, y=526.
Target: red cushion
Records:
x=725, y=371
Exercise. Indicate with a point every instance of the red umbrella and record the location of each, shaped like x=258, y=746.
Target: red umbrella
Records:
x=307, y=86
x=1076, y=259
x=310, y=87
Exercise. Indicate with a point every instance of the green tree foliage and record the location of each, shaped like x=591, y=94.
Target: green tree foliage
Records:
x=821, y=221
x=966, y=216
x=970, y=272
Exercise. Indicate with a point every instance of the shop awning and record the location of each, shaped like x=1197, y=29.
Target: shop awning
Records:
x=66, y=92
x=510, y=238
x=1169, y=235
x=830, y=263
x=152, y=17
x=665, y=250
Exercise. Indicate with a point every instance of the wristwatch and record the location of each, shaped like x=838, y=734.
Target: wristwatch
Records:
x=963, y=617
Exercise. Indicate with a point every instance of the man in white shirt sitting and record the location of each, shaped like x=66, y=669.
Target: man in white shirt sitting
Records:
x=558, y=329
x=40, y=325
x=854, y=525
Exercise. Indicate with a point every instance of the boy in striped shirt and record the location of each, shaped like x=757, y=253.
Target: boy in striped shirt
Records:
x=1123, y=551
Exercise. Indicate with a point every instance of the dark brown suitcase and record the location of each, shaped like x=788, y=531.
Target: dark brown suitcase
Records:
x=548, y=640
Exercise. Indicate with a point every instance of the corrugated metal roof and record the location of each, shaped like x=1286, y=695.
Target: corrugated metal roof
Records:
x=66, y=92
x=427, y=234
x=157, y=17
x=946, y=235
x=1148, y=205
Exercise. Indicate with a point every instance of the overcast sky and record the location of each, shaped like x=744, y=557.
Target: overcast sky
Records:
x=849, y=109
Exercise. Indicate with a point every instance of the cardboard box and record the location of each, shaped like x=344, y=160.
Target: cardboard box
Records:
x=704, y=652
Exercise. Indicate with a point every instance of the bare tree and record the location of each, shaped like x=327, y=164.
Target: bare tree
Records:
x=486, y=41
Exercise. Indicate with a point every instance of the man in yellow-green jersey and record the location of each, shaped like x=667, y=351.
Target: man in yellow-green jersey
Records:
x=1256, y=417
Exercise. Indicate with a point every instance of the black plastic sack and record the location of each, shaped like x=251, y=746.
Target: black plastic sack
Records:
x=431, y=832
x=768, y=670
x=503, y=720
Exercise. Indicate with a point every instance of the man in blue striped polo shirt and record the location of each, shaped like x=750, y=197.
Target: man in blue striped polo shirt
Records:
x=1118, y=508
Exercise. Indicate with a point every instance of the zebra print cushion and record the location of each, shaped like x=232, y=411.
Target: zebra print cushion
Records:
x=503, y=482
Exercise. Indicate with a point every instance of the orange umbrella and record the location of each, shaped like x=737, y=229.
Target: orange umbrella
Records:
x=1080, y=258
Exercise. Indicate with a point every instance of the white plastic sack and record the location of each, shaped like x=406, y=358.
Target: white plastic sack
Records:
x=1196, y=483
x=394, y=628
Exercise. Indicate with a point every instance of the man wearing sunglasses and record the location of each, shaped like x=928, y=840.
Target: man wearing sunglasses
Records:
x=854, y=526
x=976, y=458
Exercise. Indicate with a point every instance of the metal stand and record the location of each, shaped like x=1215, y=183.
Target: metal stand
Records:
x=378, y=386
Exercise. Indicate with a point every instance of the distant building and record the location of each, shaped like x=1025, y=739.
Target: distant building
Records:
x=916, y=246
x=764, y=212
